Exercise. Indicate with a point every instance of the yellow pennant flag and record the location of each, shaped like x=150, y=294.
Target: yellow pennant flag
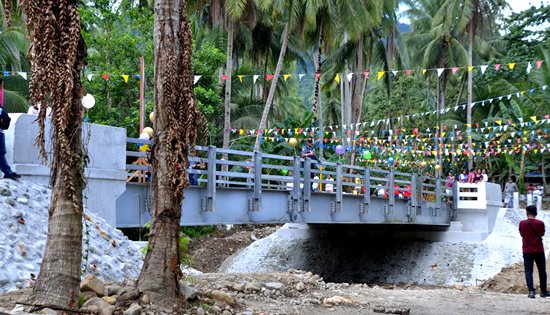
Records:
x=534, y=118
x=511, y=66
x=380, y=75
x=423, y=71
x=470, y=68
x=337, y=78
x=125, y=77
x=522, y=93
x=499, y=122
x=468, y=125
x=241, y=77
x=286, y=76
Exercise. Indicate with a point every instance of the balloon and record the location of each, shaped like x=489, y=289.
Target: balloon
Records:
x=423, y=164
x=293, y=142
x=88, y=101
x=284, y=172
x=144, y=148
x=152, y=116
x=340, y=149
x=391, y=160
x=144, y=136
x=438, y=167
x=149, y=131
x=367, y=155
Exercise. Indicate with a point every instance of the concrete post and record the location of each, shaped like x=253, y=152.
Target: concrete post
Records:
x=529, y=199
x=516, y=200
x=539, y=203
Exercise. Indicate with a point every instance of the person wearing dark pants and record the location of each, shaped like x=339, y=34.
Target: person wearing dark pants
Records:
x=532, y=231
x=4, y=166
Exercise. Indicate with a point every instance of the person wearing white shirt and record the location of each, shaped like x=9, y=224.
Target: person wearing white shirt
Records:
x=329, y=187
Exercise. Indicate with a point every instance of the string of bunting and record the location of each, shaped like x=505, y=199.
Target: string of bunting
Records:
x=356, y=127
x=338, y=77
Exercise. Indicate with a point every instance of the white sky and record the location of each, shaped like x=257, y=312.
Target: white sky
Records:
x=520, y=5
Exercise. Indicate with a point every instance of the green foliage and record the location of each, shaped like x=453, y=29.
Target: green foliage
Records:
x=196, y=231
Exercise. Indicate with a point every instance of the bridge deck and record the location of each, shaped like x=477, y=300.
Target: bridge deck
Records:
x=238, y=187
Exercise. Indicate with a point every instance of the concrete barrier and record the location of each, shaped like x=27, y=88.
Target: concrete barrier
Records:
x=106, y=171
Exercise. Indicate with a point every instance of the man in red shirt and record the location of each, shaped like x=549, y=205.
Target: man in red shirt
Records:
x=531, y=231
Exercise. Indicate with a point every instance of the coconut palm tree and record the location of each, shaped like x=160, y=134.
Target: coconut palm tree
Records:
x=296, y=15
x=177, y=120
x=57, y=55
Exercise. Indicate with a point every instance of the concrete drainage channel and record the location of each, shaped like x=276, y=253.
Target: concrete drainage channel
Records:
x=362, y=254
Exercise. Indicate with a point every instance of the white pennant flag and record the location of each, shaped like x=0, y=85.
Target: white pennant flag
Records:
x=528, y=70
x=500, y=98
x=456, y=108
x=90, y=77
x=544, y=87
x=23, y=74
x=349, y=76
x=394, y=72
x=483, y=68
x=440, y=71
x=255, y=78
x=196, y=79
x=509, y=96
x=300, y=76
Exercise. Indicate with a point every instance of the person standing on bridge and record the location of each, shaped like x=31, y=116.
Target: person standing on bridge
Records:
x=4, y=166
x=509, y=190
x=532, y=231
x=308, y=151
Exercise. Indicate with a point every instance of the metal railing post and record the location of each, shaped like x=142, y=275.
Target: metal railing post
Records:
x=366, y=196
x=414, y=195
x=336, y=206
x=254, y=203
x=209, y=202
x=294, y=198
x=307, y=185
x=391, y=189
x=437, y=196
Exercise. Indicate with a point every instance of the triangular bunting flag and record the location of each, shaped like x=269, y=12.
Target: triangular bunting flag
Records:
x=394, y=72
x=483, y=68
x=497, y=66
x=240, y=78
x=90, y=77
x=380, y=75
x=538, y=63
x=534, y=118
x=125, y=77
x=440, y=71
x=349, y=76
x=423, y=71
x=196, y=79
x=409, y=72
x=224, y=77
x=300, y=76
x=6, y=73
x=23, y=74
x=528, y=70
x=268, y=77
x=254, y=78
x=511, y=66
x=470, y=68
x=105, y=76
x=454, y=70
x=317, y=75
x=286, y=76
x=366, y=74
x=337, y=78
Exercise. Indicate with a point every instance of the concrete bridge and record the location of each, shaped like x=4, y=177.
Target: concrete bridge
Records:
x=253, y=188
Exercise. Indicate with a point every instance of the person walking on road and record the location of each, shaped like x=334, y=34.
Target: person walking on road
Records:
x=509, y=190
x=531, y=231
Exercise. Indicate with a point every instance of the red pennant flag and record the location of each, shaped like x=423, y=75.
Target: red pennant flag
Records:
x=547, y=116
x=366, y=73
x=497, y=66
x=454, y=69
x=224, y=77
x=409, y=72
x=269, y=77
x=317, y=75
x=105, y=76
x=538, y=63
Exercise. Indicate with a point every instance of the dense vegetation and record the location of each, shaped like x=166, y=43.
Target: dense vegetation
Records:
x=398, y=114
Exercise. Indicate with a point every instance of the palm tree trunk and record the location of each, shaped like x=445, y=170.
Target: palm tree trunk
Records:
x=470, y=90
x=267, y=107
x=227, y=100
x=58, y=282
x=318, y=104
x=176, y=126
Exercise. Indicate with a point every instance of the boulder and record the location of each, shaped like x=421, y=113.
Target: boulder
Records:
x=103, y=307
x=134, y=309
x=113, y=289
x=300, y=286
x=189, y=292
x=274, y=286
x=88, y=295
x=47, y=311
x=126, y=294
x=222, y=297
x=110, y=299
x=252, y=287
x=92, y=283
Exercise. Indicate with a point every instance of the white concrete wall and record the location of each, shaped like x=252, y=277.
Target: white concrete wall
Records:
x=106, y=171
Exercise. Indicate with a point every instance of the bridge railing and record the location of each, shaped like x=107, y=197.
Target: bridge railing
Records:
x=301, y=177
